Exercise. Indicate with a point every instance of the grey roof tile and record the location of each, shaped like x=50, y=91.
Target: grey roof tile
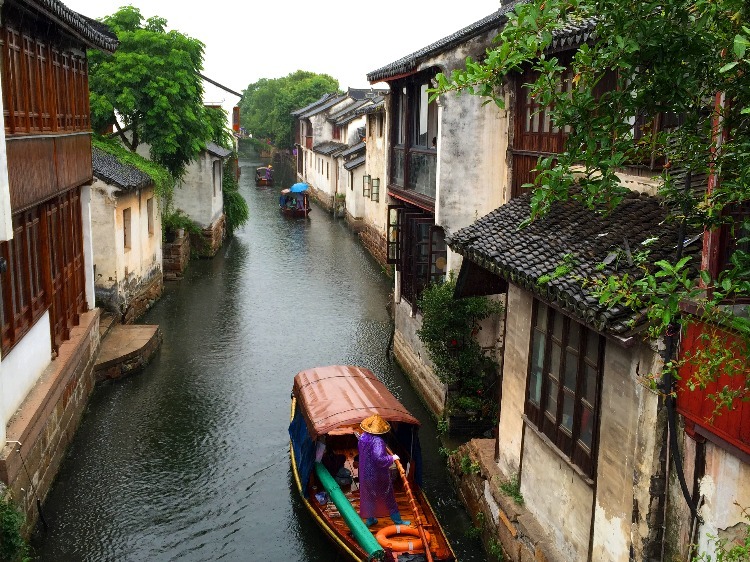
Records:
x=355, y=163
x=329, y=148
x=524, y=255
x=217, y=150
x=107, y=167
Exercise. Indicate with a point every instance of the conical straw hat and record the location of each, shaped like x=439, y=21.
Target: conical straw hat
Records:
x=375, y=425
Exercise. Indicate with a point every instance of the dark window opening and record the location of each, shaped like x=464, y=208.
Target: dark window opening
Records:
x=564, y=376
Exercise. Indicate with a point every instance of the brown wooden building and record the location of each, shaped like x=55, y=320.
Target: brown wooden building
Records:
x=49, y=334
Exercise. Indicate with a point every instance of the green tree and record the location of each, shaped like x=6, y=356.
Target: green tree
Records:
x=666, y=58
x=267, y=104
x=151, y=85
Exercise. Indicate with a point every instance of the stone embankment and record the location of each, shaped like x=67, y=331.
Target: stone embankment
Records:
x=125, y=348
x=504, y=523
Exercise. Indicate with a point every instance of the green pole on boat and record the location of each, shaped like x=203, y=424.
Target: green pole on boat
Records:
x=361, y=533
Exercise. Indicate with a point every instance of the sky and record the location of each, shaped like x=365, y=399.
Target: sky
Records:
x=249, y=40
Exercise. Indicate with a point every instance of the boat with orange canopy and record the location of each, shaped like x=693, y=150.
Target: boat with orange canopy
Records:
x=328, y=404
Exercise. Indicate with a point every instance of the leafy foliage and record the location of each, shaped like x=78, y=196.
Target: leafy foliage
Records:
x=175, y=219
x=164, y=182
x=685, y=60
x=267, y=104
x=235, y=206
x=12, y=545
x=151, y=84
x=447, y=331
x=218, y=122
x=512, y=488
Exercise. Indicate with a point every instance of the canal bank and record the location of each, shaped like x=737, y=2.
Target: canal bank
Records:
x=189, y=459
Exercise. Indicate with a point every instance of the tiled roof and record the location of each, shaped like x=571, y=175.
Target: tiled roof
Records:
x=571, y=35
x=410, y=62
x=362, y=93
x=316, y=103
x=355, y=163
x=354, y=149
x=595, y=245
x=329, y=148
x=111, y=170
x=348, y=110
x=216, y=150
x=93, y=33
x=378, y=104
x=322, y=107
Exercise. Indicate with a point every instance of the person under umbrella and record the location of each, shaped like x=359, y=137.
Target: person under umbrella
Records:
x=376, y=497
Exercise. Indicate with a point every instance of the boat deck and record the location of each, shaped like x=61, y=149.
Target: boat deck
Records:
x=438, y=545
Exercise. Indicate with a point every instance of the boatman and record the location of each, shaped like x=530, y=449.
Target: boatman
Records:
x=376, y=498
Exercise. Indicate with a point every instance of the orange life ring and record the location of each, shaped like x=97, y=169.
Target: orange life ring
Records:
x=386, y=536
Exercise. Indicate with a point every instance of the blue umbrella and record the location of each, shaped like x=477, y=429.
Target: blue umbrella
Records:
x=298, y=187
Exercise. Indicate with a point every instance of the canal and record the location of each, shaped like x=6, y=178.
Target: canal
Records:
x=188, y=460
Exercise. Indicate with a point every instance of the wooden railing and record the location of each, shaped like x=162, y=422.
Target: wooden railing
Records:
x=40, y=167
x=732, y=426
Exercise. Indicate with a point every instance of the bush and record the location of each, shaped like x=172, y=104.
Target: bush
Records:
x=448, y=331
x=235, y=206
x=12, y=545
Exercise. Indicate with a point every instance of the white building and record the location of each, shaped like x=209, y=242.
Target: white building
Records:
x=127, y=237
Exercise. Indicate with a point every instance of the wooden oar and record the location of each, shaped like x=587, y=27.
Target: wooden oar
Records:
x=417, y=517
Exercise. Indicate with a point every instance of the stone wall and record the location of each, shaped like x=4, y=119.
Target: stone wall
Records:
x=207, y=243
x=48, y=418
x=429, y=388
x=147, y=293
x=176, y=257
x=375, y=243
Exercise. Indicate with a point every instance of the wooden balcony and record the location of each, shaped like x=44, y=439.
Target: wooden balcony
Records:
x=732, y=427
x=42, y=166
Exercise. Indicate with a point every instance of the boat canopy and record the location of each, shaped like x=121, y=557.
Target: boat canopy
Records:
x=340, y=395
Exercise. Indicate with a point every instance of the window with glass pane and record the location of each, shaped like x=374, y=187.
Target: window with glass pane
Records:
x=565, y=362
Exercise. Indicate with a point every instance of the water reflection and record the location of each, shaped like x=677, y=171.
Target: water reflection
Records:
x=189, y=460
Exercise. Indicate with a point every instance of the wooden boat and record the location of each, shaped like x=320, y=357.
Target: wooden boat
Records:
x=328, y=404
x=263, y=176
x=294, y=204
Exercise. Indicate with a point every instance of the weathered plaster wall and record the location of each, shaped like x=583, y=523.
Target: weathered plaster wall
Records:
x=628, y=454
x=551, y=488
x=628, y=459
x=125, y=275
x=375, y=212
x=726, y=489
x=515, y=366
x=196, y=195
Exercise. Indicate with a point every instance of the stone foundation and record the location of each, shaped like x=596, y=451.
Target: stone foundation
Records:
x=144, y=298
x=175, y=257
x=321, y=198
x=207, y=243
x=504, y=522
x=48, y=418
x=376, y=245
x=429, y=388
x=141, y=295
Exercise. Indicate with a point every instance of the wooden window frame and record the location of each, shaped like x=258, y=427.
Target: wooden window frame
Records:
x=550, y=380
x=150, y=215
x=127, y=229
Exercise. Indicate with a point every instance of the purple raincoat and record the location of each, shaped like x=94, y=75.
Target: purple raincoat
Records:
x=376, y=497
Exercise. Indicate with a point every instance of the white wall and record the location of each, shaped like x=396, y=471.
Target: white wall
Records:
x=20, y=369
x=196, y=195
x=6, y=222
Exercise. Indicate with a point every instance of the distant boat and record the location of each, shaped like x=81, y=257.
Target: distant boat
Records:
x=331, y=402
x=294, y=201
x=263, y=176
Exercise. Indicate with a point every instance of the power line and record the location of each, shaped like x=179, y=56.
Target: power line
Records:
x=219, y=85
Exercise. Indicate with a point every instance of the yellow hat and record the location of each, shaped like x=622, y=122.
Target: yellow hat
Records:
x=375, y=425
